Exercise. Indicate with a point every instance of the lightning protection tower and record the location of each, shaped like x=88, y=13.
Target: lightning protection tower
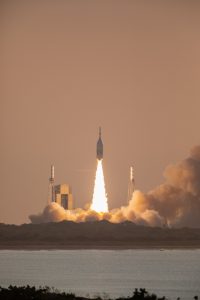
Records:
x=51, y=196
x=131, y=184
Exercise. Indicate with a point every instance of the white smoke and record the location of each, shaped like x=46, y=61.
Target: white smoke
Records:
x=176, y=202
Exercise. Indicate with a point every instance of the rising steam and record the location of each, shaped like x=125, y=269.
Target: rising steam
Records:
x=175, y=203
x=99, y=200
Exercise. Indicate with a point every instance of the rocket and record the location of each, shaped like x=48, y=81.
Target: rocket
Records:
x=99, y=146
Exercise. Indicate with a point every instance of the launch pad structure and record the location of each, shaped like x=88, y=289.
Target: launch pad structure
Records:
x=60, y=193
x=51, y=194
x=131, y=184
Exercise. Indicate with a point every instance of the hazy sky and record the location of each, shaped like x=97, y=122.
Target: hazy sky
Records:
x=67, y=67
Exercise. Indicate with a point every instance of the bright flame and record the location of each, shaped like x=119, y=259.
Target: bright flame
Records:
x=99, y=200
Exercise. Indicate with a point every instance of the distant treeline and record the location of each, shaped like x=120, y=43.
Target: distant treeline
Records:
x=27, y=293
x=95, y=234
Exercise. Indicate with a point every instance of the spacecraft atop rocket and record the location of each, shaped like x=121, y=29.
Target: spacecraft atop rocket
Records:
x=99, y=146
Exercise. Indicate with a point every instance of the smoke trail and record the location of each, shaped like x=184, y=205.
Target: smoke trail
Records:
x=175, y=203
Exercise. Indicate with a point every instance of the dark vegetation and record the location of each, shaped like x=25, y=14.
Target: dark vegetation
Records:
x=95, y=234
x=31, y=293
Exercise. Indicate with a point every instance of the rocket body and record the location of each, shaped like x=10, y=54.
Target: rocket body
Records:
x=99, y=146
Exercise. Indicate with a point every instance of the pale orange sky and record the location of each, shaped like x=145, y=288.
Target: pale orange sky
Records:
x=67, y=67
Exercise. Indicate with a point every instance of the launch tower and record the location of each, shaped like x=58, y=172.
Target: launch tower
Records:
x=51, y=196
x=131, y=184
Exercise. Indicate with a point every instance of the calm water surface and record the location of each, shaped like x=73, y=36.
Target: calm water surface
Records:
x=171, y=273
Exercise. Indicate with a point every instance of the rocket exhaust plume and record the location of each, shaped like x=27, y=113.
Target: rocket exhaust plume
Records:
x=99, y=200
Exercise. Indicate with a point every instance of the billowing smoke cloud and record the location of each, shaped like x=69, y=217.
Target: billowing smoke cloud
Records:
x=175, y=203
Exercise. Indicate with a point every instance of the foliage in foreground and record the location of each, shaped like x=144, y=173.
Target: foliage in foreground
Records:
x=45, y=293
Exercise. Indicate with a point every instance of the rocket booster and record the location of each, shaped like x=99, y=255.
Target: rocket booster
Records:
x=99, y=146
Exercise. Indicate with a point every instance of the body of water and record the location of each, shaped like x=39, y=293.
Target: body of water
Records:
x=171, y=273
